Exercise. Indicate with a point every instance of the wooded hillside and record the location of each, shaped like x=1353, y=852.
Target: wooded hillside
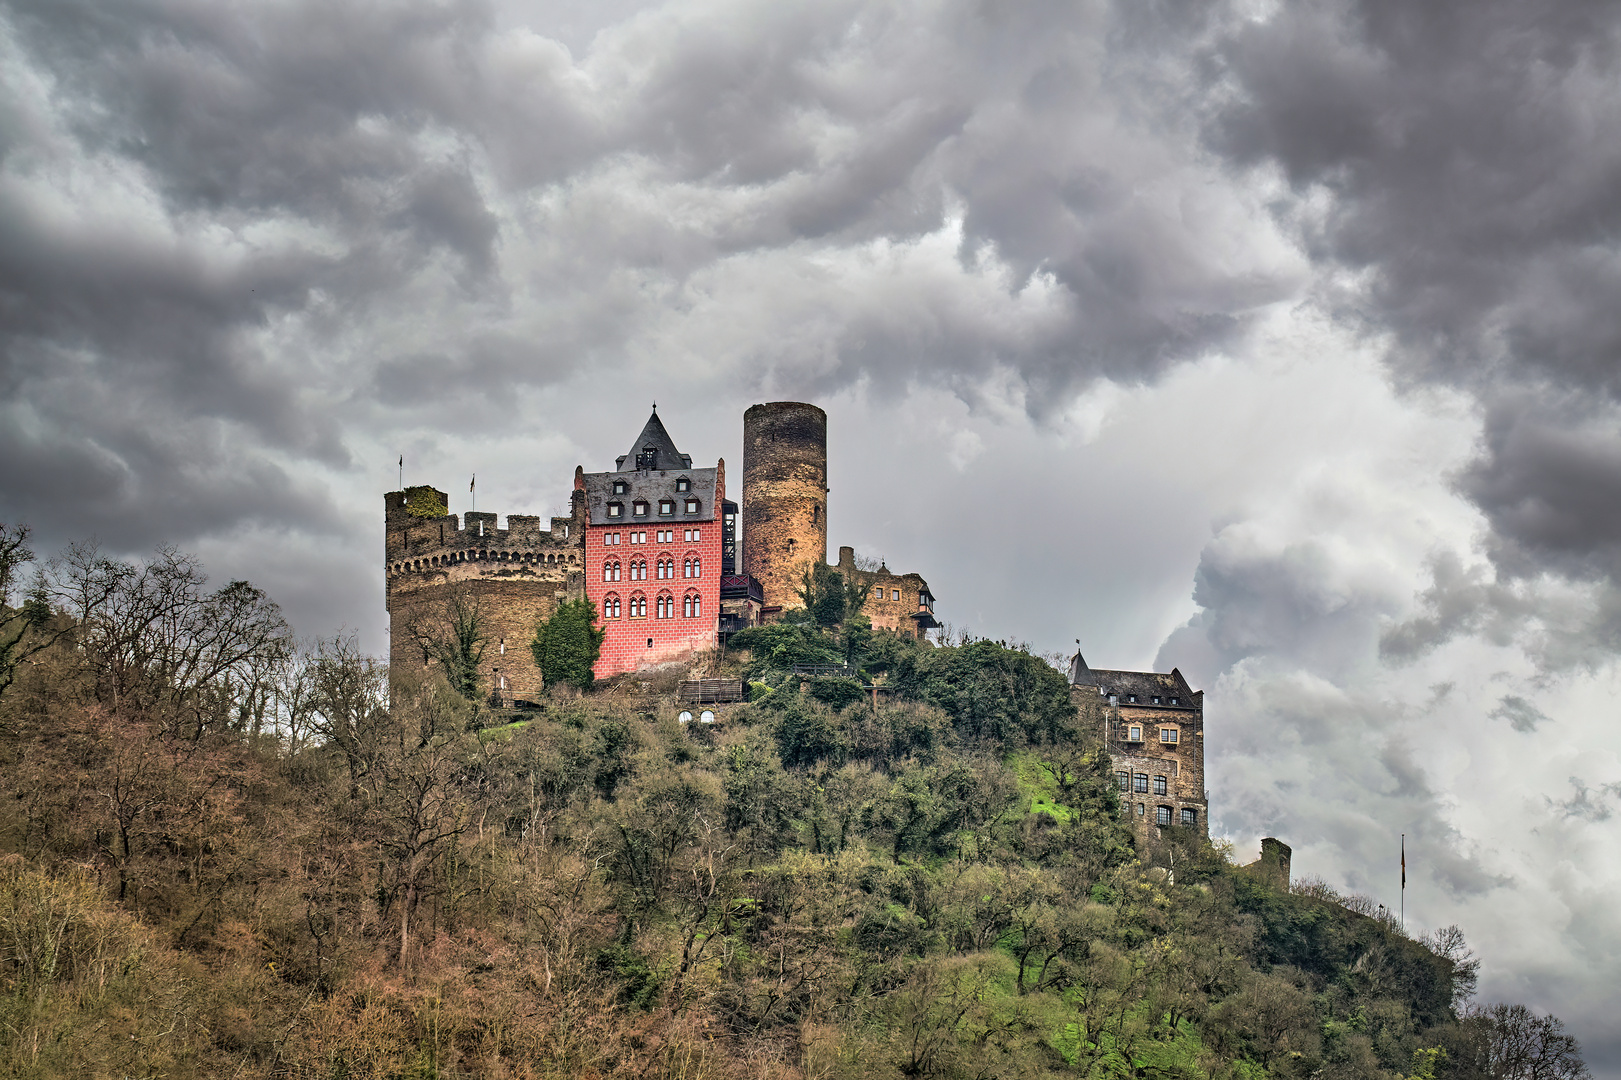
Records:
x=228, y=855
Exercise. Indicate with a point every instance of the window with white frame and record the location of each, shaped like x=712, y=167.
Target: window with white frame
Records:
x=1167, y=735
x=692, y=536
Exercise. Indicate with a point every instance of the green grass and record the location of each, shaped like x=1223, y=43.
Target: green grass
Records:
x=1038, y=787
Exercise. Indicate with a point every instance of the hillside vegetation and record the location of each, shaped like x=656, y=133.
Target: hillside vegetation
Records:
x=225, y=855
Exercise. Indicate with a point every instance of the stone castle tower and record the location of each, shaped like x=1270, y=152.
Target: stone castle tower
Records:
x=784, y=497
x=515, y=576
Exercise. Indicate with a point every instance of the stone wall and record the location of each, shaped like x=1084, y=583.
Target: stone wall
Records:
x=893, y=601
x=1180, y=763
x=784, y=498
x=517, y=575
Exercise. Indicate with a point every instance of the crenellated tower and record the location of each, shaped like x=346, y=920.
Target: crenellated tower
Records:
x=516, y=575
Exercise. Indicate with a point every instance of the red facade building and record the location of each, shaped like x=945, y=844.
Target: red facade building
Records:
x=653, y=552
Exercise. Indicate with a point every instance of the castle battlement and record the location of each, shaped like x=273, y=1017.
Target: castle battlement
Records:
x=517, y=576
x=413, y=543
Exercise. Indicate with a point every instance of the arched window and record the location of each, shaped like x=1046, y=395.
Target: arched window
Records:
x=666, y=568
x=610, y=606
x=638, y=570
x=1162, y=815
x=692, y=605
x=638, y=606
x=666, y=606
x=1190, y=816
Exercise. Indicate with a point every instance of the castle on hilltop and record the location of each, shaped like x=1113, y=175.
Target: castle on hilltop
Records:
x=653, y=543
x=1152, y=725
x=672, y=567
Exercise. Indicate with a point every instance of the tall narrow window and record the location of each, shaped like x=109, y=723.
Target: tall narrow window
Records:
x=1124, y=780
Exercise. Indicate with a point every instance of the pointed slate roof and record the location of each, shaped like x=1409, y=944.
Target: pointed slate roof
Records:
x=665, y=455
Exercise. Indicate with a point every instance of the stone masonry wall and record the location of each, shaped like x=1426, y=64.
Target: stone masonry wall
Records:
x=784, y=498
x=518, y=575
x=1181, y=763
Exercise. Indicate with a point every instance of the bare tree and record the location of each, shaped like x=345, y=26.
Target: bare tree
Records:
x=29, y=628
x=453, y=632
x=154, y=635
x=1525, y=1046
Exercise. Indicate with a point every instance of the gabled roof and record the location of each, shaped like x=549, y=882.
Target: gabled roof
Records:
x=656, y=439
x=1123, y=684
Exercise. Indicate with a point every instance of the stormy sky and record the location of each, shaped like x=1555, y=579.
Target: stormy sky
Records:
x=1276, y=342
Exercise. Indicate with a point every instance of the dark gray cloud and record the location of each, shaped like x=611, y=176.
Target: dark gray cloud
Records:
x=1463, y=161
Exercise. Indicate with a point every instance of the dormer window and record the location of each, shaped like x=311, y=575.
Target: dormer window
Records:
x=1174, y=701
x=1132, y=698
x=620, y=487
x=683, y=484
x=1156, y=699
x=639, y=508
x=666, y=506
x=692, y=506
x=616, y=509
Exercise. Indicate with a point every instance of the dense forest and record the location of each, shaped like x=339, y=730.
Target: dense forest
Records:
x=227, y=853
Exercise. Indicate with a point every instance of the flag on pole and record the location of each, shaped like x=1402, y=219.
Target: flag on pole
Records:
x=1404, y=860
x=475, y=481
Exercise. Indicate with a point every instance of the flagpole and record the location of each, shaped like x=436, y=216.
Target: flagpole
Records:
x=472, y=489
x=402, y=472
x=1404, y=881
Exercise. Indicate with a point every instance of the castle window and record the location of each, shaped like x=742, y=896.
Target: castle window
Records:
x=666, y=506
x=1134, y=734
x=691, y=605
x=691, y=536
x=1132, y=698
x=666, y=606
x=1190, y=816
x=1159, y=785
x=620, y=487
x=1162, y=815
x=1156, y=699
x=1139, y=783
x=638, y=606
x=639, y=508
x=1124, y=780
x=1167, y=735
x=610, y=606
x=894, y=594
x=1141, y=809
x=666, y=569
x=692, y=506
x=683, y=484
x=1174, y=701
x=615, y=509
x=878, y=592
